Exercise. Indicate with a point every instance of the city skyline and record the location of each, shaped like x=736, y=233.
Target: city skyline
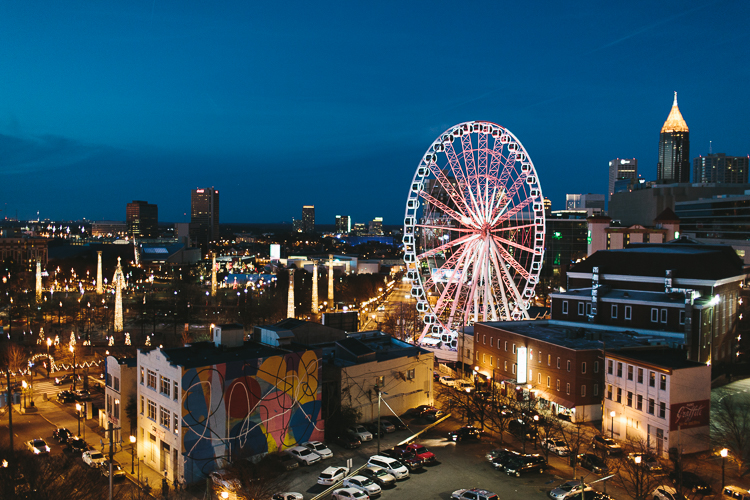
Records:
x=102, y=105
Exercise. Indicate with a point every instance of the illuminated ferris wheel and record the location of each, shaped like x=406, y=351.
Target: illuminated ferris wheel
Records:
x=474, y=229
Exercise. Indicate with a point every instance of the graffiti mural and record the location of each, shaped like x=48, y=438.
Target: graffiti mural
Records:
x=244, y=408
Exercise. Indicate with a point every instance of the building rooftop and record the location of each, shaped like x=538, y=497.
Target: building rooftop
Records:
x=664, y=357
x=306, y=332
x=618, y=295
x=374, y=346
x=207, y=353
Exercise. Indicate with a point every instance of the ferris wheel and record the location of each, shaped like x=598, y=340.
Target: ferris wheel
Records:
x=474, y=229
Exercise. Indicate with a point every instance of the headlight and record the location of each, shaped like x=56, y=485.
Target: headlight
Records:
x=36, y=451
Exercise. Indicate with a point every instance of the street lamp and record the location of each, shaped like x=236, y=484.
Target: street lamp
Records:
x=78, y=409
x=612, y=425
x=25, y=385
x=536, y=429
x=638, y=460
x=49, y=343
x=73, y=350
x=132, y=455
x=224, y=494
x=380, y=393
x=724, y=452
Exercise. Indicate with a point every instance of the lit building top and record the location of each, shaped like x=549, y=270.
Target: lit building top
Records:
x=675, y=122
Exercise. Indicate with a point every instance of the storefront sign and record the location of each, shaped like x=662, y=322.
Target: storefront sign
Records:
x=687, y=415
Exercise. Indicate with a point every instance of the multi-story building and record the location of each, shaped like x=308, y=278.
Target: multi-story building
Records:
x=718, y=167
x=343, y=224
x=674, y=149
x=592, y=203
x=201, y=404
x=142, y=219
x=603, y=234
x=565, y=240
x=25, y=251
x=656, y=396
x=204, y=216
x=360, y=229
x=376, y=226
x=308, y=219
x=621, y=169
x=119, y=388
x=109, y=229
x=723, y=220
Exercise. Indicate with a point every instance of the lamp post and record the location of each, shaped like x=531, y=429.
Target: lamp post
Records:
x=536, y=429
x=73, y=350
x=49, y=343
x=78, y=409
x=724, y=452
x=612, y=425
x=132, y=455
x=24, y=385
x=380, y=393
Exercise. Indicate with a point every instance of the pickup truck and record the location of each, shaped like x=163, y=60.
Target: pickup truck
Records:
x=406, y=457
x=420, y=451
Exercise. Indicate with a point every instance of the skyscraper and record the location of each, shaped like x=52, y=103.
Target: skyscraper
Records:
x=376, y=226
x=674, y=149
x=590, y=201
x=719, y=167
x=343, y=224
x=204, y=216
x=142, y=219
x=308, y=219
x=619, y=169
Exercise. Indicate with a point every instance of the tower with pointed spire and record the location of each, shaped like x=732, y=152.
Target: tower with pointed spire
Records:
x=99, y=287
x=674, y=148
x=315, y=287
x=119, y=282
x=330, y=283
x=38, y=280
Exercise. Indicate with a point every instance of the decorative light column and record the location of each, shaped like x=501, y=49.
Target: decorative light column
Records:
x=290, y=300
x=213, y=275
x=119, y=282
x=330, y=280
x=38, y=280
x=315, y=288
x=99, y=287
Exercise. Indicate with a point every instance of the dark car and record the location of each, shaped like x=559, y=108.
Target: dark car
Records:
x=76, y=445
x=396, y=423
x=117, y=471
x=62, y=435
x=589, y=495
x=406, y=457
x=525, y=464
x=466, y=433
x=81, y=395
x=348, y=440
x=65, y=397
x=521, y=429
x=433, y=414
x=418, y=410
x=504, y=458
x=593, y=463
x=607, y=445
x=691, y=481
x=66, y=379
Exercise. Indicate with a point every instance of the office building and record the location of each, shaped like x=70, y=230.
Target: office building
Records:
x=142, y=219
x=376, y=226
x=565, y=241
x=718, y=167
x=674, y=149
x=204, y=216
x=308, y=219
x=592, y=203
x=722, y=220
x=606, y=234
x=621, y=169
x=343, y=224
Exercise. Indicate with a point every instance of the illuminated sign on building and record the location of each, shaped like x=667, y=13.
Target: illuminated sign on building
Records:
x=521, y=372
x=275, y=252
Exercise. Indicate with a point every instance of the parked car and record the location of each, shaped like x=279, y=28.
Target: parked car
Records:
x=362, y=483
x=473, y=494
x=556, y=446
x=691, y=481
x=521, y=429
x=305, y=456
x=498, y=452
x=449, y=381
x=361, y=432
x=319, y=448
x=418, y=410
x=76, y=445
x=734, y=493
x=117, y=470
x=93, y=458
x=503, y=459
x=665, y=492
x=465, y=433
x=589, y=495
x=287, y=461
x=349, y=494
x=287, y=495
x=647, y=461
x=61, y=434
x=406, y=457
x=593, y=463
x=65, y=397
x=433, y=415
x=525, y=464
x=81, y=395
x=348, y=440
x=607, y=445
x=464, y=386
x=332, y=475
x=396, y=423
x=37, y=446
x=569, y=488
x=393, y=466
x=224, y=480
x=379, y=475
x=420, y=451
x=66, y=379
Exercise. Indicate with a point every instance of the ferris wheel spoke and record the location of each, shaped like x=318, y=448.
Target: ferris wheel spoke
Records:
x=512, y=261
x=512, y=284
x=467, y=221
x=452, y=192
x=497, y=157
x=441, y=302
x=512, y=228
x=446, y=228
x=500, y=239
x=467, y=151
x=455, y=164
x=482, y=153
x=449, y=264
x=499, y=218
x=446, y=246
x=501, y=284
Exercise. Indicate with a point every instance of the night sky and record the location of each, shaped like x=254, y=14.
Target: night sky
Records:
x=280, y=104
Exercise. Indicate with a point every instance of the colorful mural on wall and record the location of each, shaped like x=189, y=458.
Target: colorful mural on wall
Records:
x=248, y=407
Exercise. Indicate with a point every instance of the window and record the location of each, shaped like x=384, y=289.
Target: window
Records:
x=492, y=341
x=630, y=399
x=558, y=363
x=109, y=404
x=540, y=357
x=166, y=385
x=596, y=367
x=151, y=379
x=610, y=364
x=654, y=315
x=583, y=367
x=165, y=418
x=117, y=409
x=531, y=354
x=107, y=381
x=609, y=392
x=514, y=368
x=484, y=358
x=514, y=348
x=628, y=313
x=614, y=311
x=141, y=375
x=143, y=405
x=549, y=359
x=640, y=375
x=176, y=391
x=484, y=339
x=682, y=317
x=619, y=370
x=411, y=373
x=663, y=315
x=539, y=378
x=175, y=423
x=619, y=395
x=651, y=406
x=506, y=346
x=548, y=382
x=567, y=388
x=558, y=385
x=662, y=409
x=663, y=383
x=490, y=360
x=580, y=308
x=380, y=381
x=117, y=383
x=506, y=366
x=596, y=389
x=639, y=402
x=630, y=372
x=152, y=410
x=583, y=390
x=588, y=307
x=568, y=365
x=565, y=307
x=651, y=379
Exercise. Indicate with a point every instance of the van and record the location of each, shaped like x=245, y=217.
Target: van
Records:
x=735, y=493
x=393, y=466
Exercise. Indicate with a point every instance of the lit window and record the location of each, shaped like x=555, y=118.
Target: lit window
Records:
x=165, y=417
x=151, y=379
x=166, y=385
x=548, y=382
x=663, y=383
x=152, y=410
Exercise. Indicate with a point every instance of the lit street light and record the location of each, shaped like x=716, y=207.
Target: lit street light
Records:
x=132, y=455
x=612, y=425
x=724, y=452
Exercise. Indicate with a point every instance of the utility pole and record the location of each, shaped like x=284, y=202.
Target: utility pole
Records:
x=10, y=418
x=111, y=454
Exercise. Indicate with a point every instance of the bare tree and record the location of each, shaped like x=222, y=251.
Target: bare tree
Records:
x=637, y=479
x=730, y=428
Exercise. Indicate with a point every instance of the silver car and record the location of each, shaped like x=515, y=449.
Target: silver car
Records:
x=363, y=483
x=568, y=488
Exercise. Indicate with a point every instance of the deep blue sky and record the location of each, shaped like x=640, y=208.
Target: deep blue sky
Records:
x=333, y=104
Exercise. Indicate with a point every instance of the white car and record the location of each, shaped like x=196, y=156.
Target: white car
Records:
x=332, y=475
x=363, y=483
x=362, y=433
x=304, y=455
x=665, y=493
x=473, y=494
x=319, y=448
x=37, y=446
x=349, y=494
x=568, y=489
x=223, y=479
x=464, y=386
x=449, y=381
x=393, y=466
x=93, y=458
x=556, y=446
x=287, y=495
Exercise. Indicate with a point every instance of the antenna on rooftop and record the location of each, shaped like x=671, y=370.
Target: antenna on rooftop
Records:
x=710, y=147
